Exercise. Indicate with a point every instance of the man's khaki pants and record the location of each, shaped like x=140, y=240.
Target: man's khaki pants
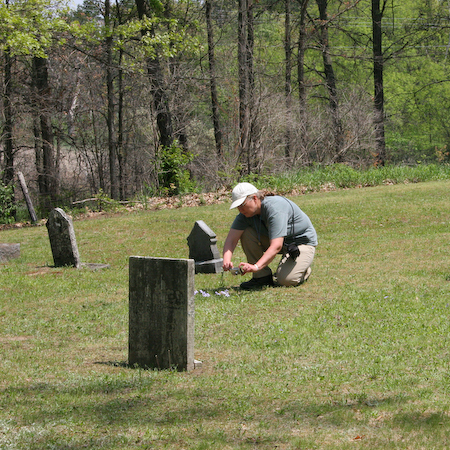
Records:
x=289, y=272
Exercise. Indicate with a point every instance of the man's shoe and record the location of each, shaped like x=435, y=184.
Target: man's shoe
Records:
x=307, y=274
x=257, y=283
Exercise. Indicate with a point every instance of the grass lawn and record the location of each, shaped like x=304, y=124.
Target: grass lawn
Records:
x=358, y=357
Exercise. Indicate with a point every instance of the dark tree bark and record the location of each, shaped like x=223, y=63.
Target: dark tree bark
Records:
x=244, y=110
x=330, y=81
x=212, y=80
x=378, y=63
x=111, y=102
x=121, y=154
x=8, y=146
x=160, y=101
x=302, y=36
x=288, y=76
x=254, y=160
x=44, y=133
x=8, y=172
x=248, y=130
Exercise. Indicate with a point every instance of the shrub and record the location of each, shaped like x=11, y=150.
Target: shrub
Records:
x=174, y=178
x=7, y=205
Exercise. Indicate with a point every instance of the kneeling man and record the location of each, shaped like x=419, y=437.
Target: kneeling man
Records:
x=268, y=225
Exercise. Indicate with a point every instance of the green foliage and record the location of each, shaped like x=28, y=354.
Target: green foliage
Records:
x=149, y=37
x=99, y=202
x=7, y=206
x=29, y=27
x=174, y=178
x=105, y=203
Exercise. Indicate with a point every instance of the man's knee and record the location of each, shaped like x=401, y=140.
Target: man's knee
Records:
x=296, y=280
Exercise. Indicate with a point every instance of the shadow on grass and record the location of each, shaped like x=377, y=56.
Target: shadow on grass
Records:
x=167, y=412
x=123, y=364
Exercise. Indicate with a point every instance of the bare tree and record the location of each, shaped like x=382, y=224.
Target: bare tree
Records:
x=8, y=173
x=156, y=78
x=244, y=108
x=330, y=81
x=378, y=63
x=212, y=79
x=301, y=48
x=288, y=76
x=47, y=165
x=110, y=101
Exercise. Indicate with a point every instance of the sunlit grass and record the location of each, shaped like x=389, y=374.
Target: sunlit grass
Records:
x=317, y=178
x=358, y=356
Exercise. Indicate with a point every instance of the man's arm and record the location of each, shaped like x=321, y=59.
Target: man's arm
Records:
x=274, y=248
x=230, y=244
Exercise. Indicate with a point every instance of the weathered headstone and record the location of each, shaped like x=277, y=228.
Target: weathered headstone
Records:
x=9, y=251
x=161, y=313
x=28, y=201
x=62, y=239
x=203, y=249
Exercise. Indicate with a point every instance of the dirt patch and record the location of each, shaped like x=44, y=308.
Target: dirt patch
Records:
x=44, y=271
x=7, y=339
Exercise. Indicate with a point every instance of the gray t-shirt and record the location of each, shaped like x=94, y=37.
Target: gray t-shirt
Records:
x=280, y=217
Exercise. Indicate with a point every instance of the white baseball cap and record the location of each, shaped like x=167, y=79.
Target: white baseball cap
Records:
x=240, y=193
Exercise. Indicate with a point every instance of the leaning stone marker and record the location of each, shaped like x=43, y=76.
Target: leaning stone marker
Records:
x=203, y=249
x=9, y=251
x=62, y=239
x=28, y=201
x=161, y=313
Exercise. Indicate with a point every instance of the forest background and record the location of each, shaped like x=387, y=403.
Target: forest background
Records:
x=163, y=97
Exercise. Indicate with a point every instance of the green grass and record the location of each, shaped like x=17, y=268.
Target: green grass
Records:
x=358, y=357
x=317, y=178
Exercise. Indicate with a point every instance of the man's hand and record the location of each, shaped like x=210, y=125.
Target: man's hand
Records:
x=246, y=267
x=227, y=266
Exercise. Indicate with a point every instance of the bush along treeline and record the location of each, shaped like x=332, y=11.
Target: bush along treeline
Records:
x=314, y=178
x=140, y=97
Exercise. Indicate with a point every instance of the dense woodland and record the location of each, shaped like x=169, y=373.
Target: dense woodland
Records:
x=164, y=97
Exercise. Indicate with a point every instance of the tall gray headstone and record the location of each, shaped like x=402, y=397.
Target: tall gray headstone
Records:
x=62, y=239
x=161, y=313
x=203, y=249
x=9, y=251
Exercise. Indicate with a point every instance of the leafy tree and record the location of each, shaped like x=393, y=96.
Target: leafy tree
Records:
x=27, y=29
x=213, y=79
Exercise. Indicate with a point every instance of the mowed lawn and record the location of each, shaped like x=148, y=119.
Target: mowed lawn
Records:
x=358, y=357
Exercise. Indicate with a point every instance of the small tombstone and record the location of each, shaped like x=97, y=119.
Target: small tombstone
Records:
x=9, y=251
x=64, y=244
x=161, y=313
x=203, y=249
x=62, y=239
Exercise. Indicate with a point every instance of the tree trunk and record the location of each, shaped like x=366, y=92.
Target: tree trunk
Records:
x=212, y=80
x=160, y=101
x=380, y=142
x=288, y=77
x=8, y=172
x=8, y=147
x=121, y=152
x=121, y=156
x=111, y=101
x=254, y=140
x=330, y=81
x=301, y=78
x=49, y=177
x=244, y=113
x=38, y=152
